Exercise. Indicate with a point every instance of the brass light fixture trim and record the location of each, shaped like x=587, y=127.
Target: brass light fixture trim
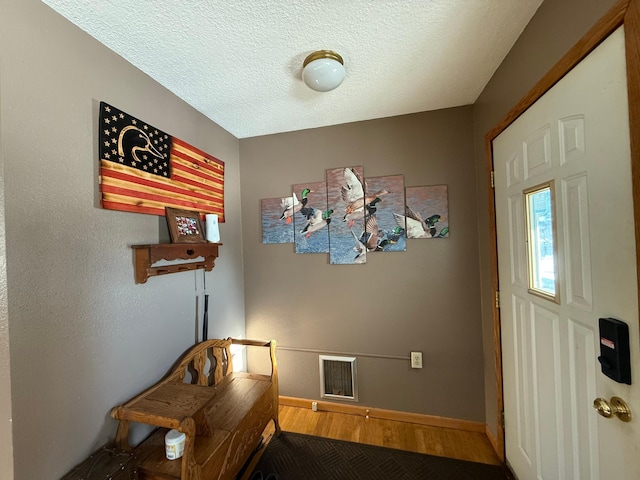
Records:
x=322, y=54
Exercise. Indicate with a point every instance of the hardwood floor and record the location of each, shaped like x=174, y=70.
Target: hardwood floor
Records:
x=446, y=442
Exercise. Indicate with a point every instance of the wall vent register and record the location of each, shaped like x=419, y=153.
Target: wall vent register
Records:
x=338, y=377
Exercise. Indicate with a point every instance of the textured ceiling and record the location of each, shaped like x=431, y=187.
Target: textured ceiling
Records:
x=240, y=62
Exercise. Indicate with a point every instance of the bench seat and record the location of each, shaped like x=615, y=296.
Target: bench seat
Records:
x=222, y=418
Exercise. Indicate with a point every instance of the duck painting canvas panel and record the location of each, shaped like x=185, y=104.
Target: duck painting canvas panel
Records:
x=346, y=197
x=311, y=218
x=426, y=213
x=384, y=196
x=277, y=220
x=144, y=170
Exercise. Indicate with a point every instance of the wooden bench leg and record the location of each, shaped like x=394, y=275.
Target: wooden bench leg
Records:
x=276, y=425
x=122, y=436
x=190, y=469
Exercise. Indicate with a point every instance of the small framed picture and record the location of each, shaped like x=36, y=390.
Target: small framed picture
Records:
x=184, y=226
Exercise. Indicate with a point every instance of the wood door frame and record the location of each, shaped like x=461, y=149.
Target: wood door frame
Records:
x=624, y=12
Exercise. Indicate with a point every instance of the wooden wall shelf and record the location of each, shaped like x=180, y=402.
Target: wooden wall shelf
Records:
x=147, y=255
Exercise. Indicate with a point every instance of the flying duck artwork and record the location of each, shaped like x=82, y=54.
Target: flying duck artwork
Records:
x=425, y=212
x=275, y=228
x=360, y=203
x=345, y=196
x=291, y=205
x=351, y=217
x=311, y=220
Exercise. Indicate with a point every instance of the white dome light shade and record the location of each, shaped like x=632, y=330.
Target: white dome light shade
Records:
x=323, y=70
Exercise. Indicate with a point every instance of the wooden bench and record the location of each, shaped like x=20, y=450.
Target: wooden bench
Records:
x=221, y=412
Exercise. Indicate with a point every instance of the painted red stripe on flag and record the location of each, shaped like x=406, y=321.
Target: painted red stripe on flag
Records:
x=194, y=183
x=196, y=171
x=107, y=172
x=158, y=198
x=180, y=174
x=199, y=165
x=177, y=141
x=132, y=208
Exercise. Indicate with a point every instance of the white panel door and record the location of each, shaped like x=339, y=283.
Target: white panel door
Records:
x=577, y=136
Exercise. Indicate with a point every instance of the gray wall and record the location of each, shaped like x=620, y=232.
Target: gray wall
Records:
x=425, y=299
x=83, y=336
x=555, y=28
x=6, y=439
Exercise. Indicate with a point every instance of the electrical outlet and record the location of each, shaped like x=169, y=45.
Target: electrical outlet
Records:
x=416, y=359
x=314, y=406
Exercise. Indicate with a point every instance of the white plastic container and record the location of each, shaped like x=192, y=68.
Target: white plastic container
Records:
x=174, y=444
x=212, y=232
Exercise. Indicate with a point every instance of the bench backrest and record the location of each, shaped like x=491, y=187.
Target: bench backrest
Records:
x=205, y=364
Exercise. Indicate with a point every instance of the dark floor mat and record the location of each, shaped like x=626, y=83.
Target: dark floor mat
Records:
x=293, y=456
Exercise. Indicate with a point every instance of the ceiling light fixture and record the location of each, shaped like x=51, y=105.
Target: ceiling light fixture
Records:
x=323, y=70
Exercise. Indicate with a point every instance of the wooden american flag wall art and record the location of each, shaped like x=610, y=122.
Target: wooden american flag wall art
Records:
x=144, y=170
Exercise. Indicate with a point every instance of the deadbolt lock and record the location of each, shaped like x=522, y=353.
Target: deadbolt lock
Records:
x=616, y=406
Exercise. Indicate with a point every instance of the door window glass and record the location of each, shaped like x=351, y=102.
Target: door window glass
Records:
x=541, y=244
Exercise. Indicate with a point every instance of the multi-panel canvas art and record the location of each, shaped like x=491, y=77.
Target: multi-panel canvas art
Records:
x=346, y=196
x=277, y=222
x=366, y=207
x=312, y=218
x=385, y=196
x=427, y=212
x=351, y=216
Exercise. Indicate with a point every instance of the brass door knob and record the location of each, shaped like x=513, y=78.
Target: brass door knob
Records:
x=603, y=407
x=620, y=409
x=616, y=406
